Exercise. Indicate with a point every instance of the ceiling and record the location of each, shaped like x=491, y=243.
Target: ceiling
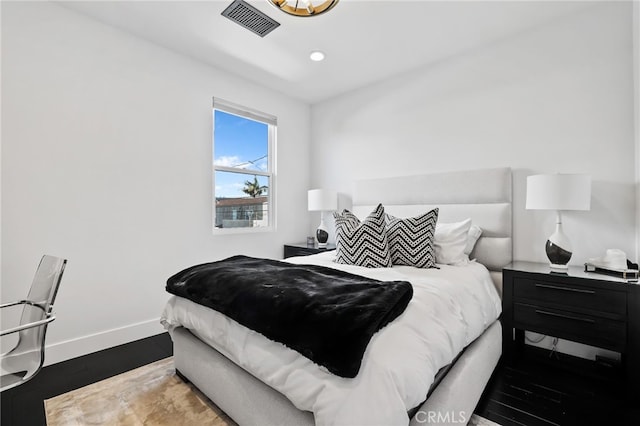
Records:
x=364, y=40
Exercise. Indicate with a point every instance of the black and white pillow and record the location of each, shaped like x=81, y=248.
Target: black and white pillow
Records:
x=411, y=239
x=362, y=243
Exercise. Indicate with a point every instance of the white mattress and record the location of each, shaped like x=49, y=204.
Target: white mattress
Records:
x=450, y=308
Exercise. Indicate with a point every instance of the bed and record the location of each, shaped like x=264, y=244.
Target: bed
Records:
x=482, y=195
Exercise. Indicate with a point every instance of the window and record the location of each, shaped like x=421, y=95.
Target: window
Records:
x=243, y=167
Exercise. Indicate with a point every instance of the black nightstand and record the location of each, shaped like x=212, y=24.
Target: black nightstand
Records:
x=302, y=249
x=584, y=307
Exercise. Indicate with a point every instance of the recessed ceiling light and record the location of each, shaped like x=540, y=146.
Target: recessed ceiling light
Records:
x=316, y=56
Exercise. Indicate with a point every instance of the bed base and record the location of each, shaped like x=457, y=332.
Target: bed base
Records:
x=248, y=401
x=245, y=399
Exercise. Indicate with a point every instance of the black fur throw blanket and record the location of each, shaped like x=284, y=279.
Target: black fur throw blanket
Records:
x=327, y=315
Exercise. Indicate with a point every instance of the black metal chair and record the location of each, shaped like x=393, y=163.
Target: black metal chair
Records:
x=25, y=360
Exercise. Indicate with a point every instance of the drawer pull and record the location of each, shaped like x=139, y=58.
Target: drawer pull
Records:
x=553, y=314
x=573, y=290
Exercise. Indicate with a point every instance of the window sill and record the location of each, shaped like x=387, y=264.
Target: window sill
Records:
x=231, y=231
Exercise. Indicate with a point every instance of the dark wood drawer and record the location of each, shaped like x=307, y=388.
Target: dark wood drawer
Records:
x=589, y=329
x=570, y=296
x=290, y=251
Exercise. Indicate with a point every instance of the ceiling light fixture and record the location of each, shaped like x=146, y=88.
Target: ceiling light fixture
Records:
x=316, y=56
x=304, y=7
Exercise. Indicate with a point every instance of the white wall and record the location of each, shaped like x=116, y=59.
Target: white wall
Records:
x=1, y=166
x=636, y=56
x=554, y=99
x=106, y=160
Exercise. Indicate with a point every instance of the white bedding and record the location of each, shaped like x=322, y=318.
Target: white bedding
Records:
x=450, y=308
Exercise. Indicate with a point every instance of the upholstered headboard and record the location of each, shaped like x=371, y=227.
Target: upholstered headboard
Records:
x=482, y=195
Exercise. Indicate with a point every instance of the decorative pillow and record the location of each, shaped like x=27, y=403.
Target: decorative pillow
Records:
x=472, y=238
x=362, y=243
x=450, y=242
x=411, y=239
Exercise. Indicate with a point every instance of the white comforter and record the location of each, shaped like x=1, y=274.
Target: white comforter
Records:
x=450, y=308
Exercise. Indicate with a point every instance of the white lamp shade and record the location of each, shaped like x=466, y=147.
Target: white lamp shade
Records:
x=559, y=192
x=322, y=200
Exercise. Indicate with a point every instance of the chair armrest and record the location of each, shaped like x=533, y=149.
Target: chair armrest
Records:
x=30, y=325
x=21, y=302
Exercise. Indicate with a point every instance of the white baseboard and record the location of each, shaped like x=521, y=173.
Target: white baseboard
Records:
x=84, y=345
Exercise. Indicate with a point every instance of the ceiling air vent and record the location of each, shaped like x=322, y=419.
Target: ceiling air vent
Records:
x=249, y=17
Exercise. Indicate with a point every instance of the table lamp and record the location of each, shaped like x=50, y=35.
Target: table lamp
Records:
x=322, y=200
x=559, y=192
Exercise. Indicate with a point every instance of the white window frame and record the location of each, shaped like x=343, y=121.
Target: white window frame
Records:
x=272, y=122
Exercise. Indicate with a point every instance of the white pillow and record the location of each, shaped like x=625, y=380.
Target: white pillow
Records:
x=450, y=242
x=472, y=238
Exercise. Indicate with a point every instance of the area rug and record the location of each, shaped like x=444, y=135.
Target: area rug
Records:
x=149, y=395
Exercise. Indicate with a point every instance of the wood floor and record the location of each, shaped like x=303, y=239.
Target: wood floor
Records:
x=545, y=389
x=538, y=390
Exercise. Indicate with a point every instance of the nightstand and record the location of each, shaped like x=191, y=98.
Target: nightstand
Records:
x=584, y=307
x=302, y=249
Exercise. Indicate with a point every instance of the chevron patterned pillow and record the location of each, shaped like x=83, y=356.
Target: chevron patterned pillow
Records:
x=362, y=243
x=411, y=239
